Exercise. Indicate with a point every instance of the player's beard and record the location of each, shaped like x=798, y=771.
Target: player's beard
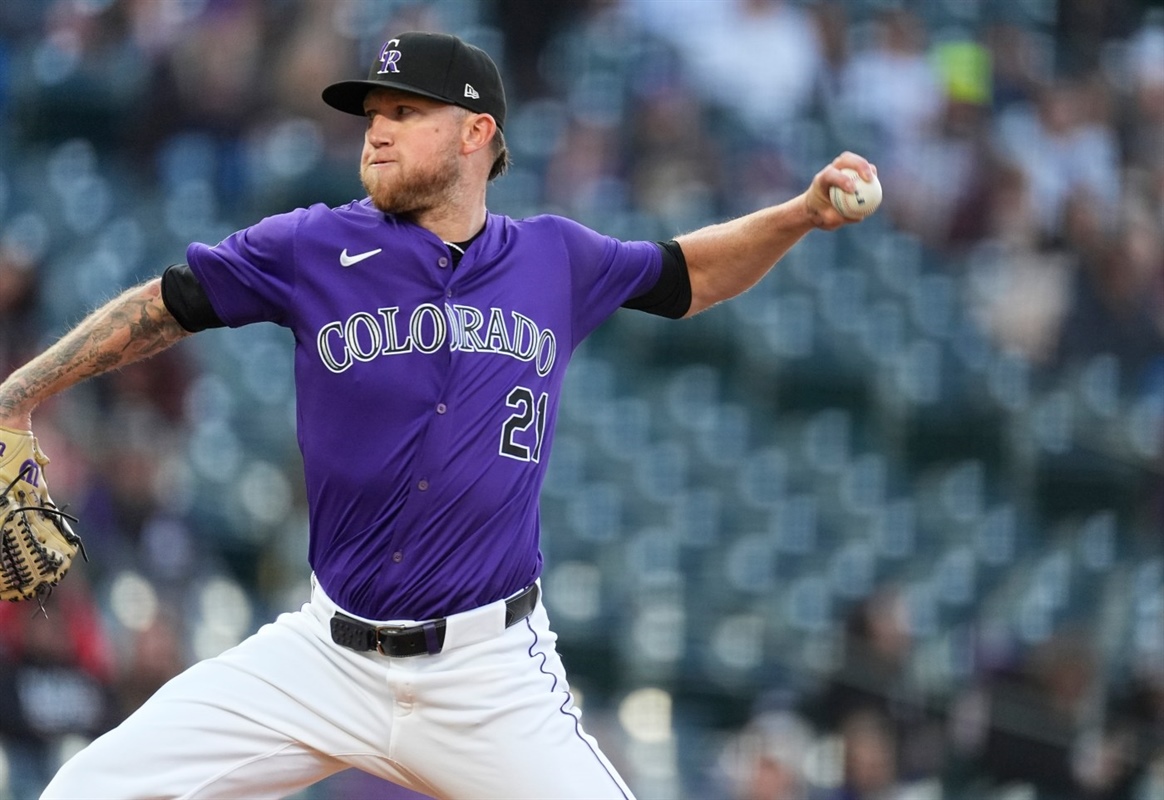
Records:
x=415, y=191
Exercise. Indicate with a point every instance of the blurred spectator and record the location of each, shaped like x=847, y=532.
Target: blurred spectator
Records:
x=1146, y=68
x=220, y=94
x=1083, y=28
x=1024, y=282
x=1137, y=717
x=206, y=103
x=941, y=184
x=759, y=58
x=676, y=171
x=1019, y=64
x=870, y=759
x=767, y=760
x=832, y=21
x=83, y=76
x=1118, y=305
x=1063, y=142
x=1143, y=122
x=874, y=678
x=891, y=85
x=1042, y=725
x=939, y=191
x=302, y=42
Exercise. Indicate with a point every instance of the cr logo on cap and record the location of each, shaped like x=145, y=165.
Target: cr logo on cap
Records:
x=389, y=57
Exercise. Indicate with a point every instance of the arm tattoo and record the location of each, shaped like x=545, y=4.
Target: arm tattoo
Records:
x=129, y=328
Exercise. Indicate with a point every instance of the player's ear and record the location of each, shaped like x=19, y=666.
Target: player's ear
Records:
x=478, y=132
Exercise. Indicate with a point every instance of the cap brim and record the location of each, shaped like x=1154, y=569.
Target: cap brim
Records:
x=348, y=96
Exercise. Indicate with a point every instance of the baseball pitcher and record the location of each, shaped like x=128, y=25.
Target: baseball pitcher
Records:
x=431, y=341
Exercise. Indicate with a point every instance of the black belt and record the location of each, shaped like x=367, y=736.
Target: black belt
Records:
x=425, y=638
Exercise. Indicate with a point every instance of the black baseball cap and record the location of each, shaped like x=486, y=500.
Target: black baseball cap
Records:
x=436, y=65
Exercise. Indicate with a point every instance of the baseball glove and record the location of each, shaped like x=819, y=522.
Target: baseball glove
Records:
x=37, y=545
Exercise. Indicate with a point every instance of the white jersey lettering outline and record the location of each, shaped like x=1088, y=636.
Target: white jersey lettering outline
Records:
x=427, y=329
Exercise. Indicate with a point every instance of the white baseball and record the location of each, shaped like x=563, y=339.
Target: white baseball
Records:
x=859, y=203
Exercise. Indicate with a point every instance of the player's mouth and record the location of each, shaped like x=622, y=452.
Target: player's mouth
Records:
x=378, y=156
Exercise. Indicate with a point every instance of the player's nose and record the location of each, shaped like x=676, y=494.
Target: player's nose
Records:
x=379, y=131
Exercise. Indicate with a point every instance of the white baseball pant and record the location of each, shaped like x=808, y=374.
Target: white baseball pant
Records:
x=491, y=716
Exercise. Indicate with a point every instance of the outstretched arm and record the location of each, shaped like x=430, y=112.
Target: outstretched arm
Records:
x=727, y=259
x=132, y=326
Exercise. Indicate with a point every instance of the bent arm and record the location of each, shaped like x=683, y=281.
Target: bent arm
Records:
x=727, y=259
x=132, y=326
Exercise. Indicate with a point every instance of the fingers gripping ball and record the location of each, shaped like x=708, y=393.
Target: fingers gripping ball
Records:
x=859, y=203
x=37, y=546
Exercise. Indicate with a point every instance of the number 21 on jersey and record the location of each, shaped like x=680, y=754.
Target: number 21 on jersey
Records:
x=517, y=440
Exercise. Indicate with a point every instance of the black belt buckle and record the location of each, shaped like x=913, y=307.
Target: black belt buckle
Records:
x=400, y=641
x=395, y=641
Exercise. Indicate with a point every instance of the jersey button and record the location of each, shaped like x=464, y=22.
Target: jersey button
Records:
x=422, y=485
x=398, y=556
x=442, y=408
x=442, y=262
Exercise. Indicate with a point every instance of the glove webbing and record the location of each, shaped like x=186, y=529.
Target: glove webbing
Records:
x=12, y=563
x=11, y=560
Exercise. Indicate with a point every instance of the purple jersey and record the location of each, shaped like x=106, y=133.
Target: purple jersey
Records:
x=426, y=395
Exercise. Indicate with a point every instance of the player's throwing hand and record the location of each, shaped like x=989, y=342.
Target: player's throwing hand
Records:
x=818, y=199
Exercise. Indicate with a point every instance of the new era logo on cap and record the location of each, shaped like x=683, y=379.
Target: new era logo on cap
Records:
x=435, y=65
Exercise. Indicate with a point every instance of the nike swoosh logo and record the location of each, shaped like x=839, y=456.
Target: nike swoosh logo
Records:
x=347, y=261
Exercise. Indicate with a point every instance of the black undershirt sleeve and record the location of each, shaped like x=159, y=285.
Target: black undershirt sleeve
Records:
x=187, y=301
x=671, y=295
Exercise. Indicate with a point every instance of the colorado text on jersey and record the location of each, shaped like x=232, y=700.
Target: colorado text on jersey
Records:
x=365, y=337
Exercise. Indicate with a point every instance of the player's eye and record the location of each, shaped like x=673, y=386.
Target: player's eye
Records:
x=393, y=112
